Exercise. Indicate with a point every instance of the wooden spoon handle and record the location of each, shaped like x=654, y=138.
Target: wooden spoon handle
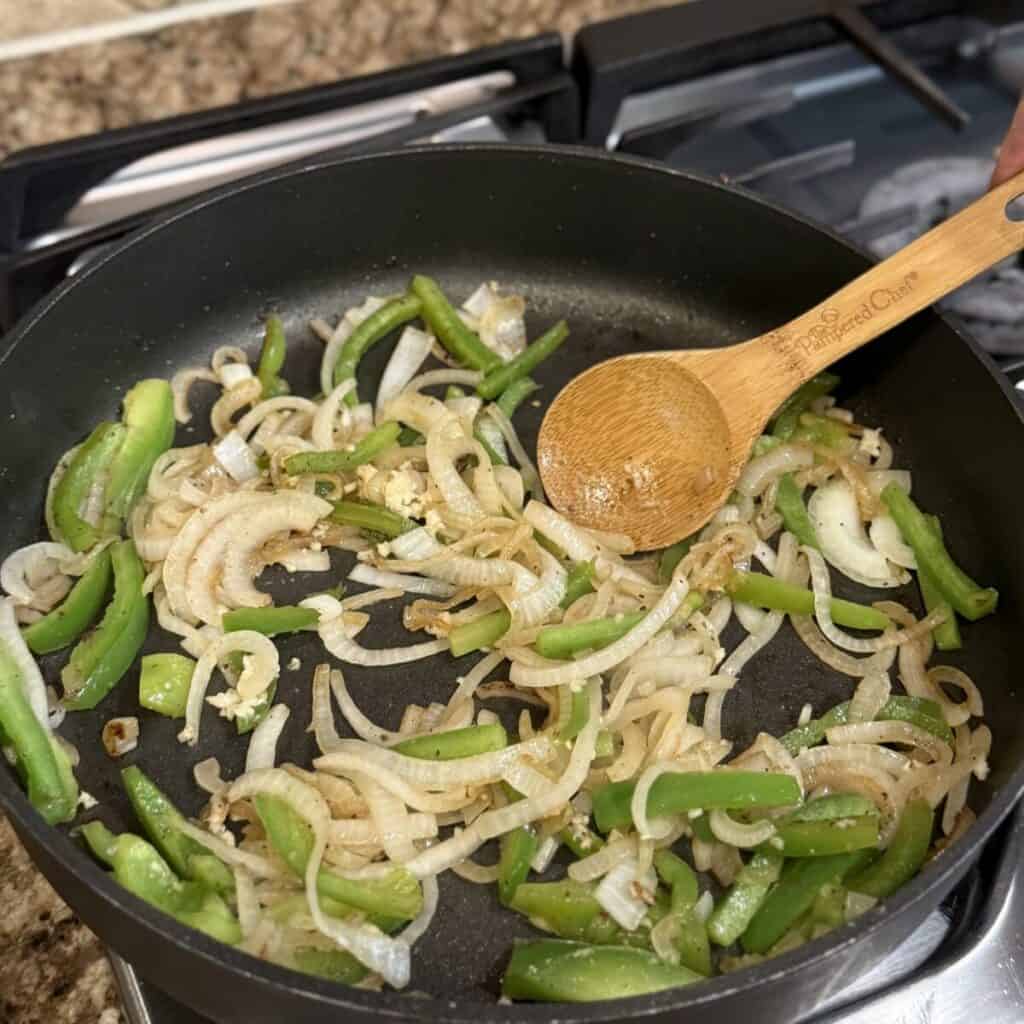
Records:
x=921, y=273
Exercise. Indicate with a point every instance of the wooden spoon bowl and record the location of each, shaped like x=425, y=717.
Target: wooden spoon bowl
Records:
x=651, y=444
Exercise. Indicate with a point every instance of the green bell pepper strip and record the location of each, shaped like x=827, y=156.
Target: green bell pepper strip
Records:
x=829, y=907
x=552, y=970
x=162, y=822
x=563, y=642
x=578, y=583
x=456, y=743
x=41, y=762
x=101, y=841
x=332, y=964
x=377, y=325
x=140, y=869
x=397, y=894
x=821, y=430
x=67, y=622
x=101, y=659
x=764, y=444
x=794, y=894
x=919, y=711
x=579, y=839
x=825, y=838
x=502, y=377
x=671, y=557
x=518, y=848
x=692, y=934
x=970, y=599
x=376, y=441
x=148, y=418
x=515, y=394
x=946, y=634
x=271, y=621
x=903, y=857
x=272, y=355
x=483, y=632
x=675, y=792
x=247, y=720
x=789, y=502
x=787, y=419
x=833, y=807
x=92, y=459
x=447, y=325
x=767, y=592
x=409, y=438
x=164, y=682
x=570, y=910
x=745, y=897
x=679, y=877
x=374, y=518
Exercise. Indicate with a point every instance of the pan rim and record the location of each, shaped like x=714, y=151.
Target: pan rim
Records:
x=74, y=860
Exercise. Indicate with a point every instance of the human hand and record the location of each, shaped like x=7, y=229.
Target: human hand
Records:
x=1011, y=153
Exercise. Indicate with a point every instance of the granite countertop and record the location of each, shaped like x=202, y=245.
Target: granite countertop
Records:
x=217, y=61
x=52, y=969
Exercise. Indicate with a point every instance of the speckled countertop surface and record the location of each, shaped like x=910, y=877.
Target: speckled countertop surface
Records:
x=213, y=62
x=52, y=969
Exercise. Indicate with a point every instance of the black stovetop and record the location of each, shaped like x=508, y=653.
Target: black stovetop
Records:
x=787, y=106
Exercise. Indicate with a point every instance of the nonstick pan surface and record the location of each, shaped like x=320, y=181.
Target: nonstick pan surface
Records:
x=634, y=256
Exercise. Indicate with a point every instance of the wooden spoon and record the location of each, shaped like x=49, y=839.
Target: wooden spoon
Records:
x=651, y=444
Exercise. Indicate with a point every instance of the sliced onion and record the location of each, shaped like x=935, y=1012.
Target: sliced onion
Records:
x=892, y=732
x=231, y=402
x=418, y=926
x=29, y=677
x=575, y=542
x=262, y=752
x=809, y=633
x=556, y=673
x=409, y=355
x=638, y=804
x=446, y=444
x=182, y=550
x=529, y=471
x=836, y=519
x=388, y=957
x=363, y=832
x=476, y=770
x=236, y=457
x=491, y=433
x=334, y=636
x=181, y=382
x=207, y=776
x=322, y=430
x=545, y=854
x=744, y=837
x=822, y=587
x=533, y=607
x=879, y=479
x=247, y=534
x=361, y=725
x=624, y=897
x=761, y=471
x=261, y=670
x=887, y=539
x=373, y=577
x=869, y=697
x=613, y=853
x=32, y=561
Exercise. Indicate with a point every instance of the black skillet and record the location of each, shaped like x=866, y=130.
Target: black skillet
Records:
x=634, y=256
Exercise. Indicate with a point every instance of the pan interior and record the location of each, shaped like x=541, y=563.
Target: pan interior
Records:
x=633, y=258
